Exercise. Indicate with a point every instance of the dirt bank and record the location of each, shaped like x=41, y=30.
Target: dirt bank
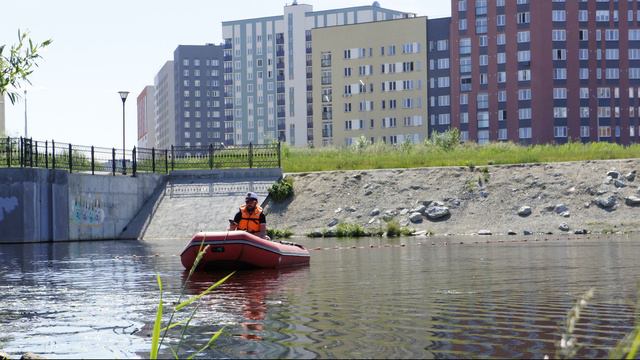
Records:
x=574, y=196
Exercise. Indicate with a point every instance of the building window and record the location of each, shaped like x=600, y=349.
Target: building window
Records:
x=560, y=131
x=524, y=133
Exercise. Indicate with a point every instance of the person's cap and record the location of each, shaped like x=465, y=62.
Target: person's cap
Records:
x=251, y=195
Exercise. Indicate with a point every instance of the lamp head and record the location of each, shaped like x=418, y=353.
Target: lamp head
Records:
x=123, y=95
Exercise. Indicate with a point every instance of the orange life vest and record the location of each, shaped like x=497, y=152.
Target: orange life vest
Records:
x=250, y=222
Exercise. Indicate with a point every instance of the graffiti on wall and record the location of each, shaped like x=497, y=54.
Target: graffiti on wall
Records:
x=87, y=210
x=7, y=205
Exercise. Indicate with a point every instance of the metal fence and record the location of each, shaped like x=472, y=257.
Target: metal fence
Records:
x=23, y=152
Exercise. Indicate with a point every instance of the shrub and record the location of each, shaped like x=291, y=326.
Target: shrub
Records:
x=394, y=229
x=276, y=233
x=350, y=230
x=282, y=189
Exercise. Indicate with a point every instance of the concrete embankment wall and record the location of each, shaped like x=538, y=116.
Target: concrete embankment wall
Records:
x=39, y=205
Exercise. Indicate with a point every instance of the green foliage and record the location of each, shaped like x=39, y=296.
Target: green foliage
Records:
x=18, y=65
x=394, y=229
x=386, y=156
x=446, y=141
x=350, y=230
x=282, y=234
x=282, y=189
x=361, y=144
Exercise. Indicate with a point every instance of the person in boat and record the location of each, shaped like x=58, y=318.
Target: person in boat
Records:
x=250, y=218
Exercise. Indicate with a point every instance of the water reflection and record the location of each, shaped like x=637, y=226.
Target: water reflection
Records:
x=365, y=298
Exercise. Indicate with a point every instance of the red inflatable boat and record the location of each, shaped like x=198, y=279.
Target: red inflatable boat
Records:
x=240, y=249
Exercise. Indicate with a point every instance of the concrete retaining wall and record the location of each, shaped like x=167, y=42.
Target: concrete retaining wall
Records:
x=52, y=205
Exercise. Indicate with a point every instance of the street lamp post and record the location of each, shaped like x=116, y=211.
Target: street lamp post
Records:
x=25, y=114
x=123, y=96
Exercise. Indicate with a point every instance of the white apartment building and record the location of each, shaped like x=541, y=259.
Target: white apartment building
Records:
x=164, y=105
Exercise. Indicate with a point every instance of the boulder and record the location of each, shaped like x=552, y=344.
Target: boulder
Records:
x=606, y=203
x=484, y=232
x=419, y=209
x=333, y=222
x=404, y=212
x=560, y=208
x=563, y=227
x=613, y=174
x=632, y=200
x=31, y=356
x=524, y=211
x=565, y=214
x=511, y=232
x=619, y=183
x=580, y=232
x=527, y=232
x=631, y=176
x=415, y=217
x=437, y=212
x=374, y=212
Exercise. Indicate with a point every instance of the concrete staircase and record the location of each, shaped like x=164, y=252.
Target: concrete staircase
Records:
x=192, y=201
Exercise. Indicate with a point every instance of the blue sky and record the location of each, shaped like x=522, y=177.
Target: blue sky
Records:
x=101, y=47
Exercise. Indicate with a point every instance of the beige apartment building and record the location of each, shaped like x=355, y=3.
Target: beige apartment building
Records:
x=370, y=80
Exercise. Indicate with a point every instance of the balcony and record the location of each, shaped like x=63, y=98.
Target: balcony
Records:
x=325, y=63
x=309, y=112
x=327, y=115
x=280, y=38
x=280, y=102
x=280, y=65
x=309, y=63
x=280, y=78
x=280, y=53
x=280, y=90
x=228, y=117
x=228, y=82
x=309, y=50
x=309, y=75
x=281, y=114
x=309, y=87
x=228, y=106
x=228, y=58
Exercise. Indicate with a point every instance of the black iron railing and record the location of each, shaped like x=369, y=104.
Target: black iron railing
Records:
x=23, y=152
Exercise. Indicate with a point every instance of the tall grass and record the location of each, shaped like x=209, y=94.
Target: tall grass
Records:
x=156, y=340
x=432, y=153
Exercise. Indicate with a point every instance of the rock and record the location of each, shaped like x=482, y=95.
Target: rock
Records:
x=524, y=211
x=608, y=180
x=419, y=209
x=374, y=212
x=315, y=234
x=560, y=208
x=570, y=190
x=484, y=194
x=404, y=212
x=606, y=203
x=437, y=212
x=338, y=210
x=549, y=207
x=333, y=222
x=632, y=200
x=527, y=232
x=389, y=215
x=368, y=192
x=613, y=174
x=350, y=209
x=415, y=217
x=426, y=203
x=511, y=232
x=564, y=227
x=565, y=214
x=357, y=176
x=436, y=203
x=631, y=176
x=580, y=232
x=484, y=232
x=373, y=219
x=619, y=183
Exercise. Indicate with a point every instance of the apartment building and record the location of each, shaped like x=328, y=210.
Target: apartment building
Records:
x=370, y=80
x=3, y=130
x=268, y=66
x=533, y=71
x=146, y=118
x=164, y=107
x=199, y=110
x=439, y=58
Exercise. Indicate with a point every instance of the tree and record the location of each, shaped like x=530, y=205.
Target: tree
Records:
x=17, y=66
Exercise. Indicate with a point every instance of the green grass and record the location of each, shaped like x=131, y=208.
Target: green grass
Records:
x=383, y=156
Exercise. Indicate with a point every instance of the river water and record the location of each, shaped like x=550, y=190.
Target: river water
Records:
x=359, y=298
